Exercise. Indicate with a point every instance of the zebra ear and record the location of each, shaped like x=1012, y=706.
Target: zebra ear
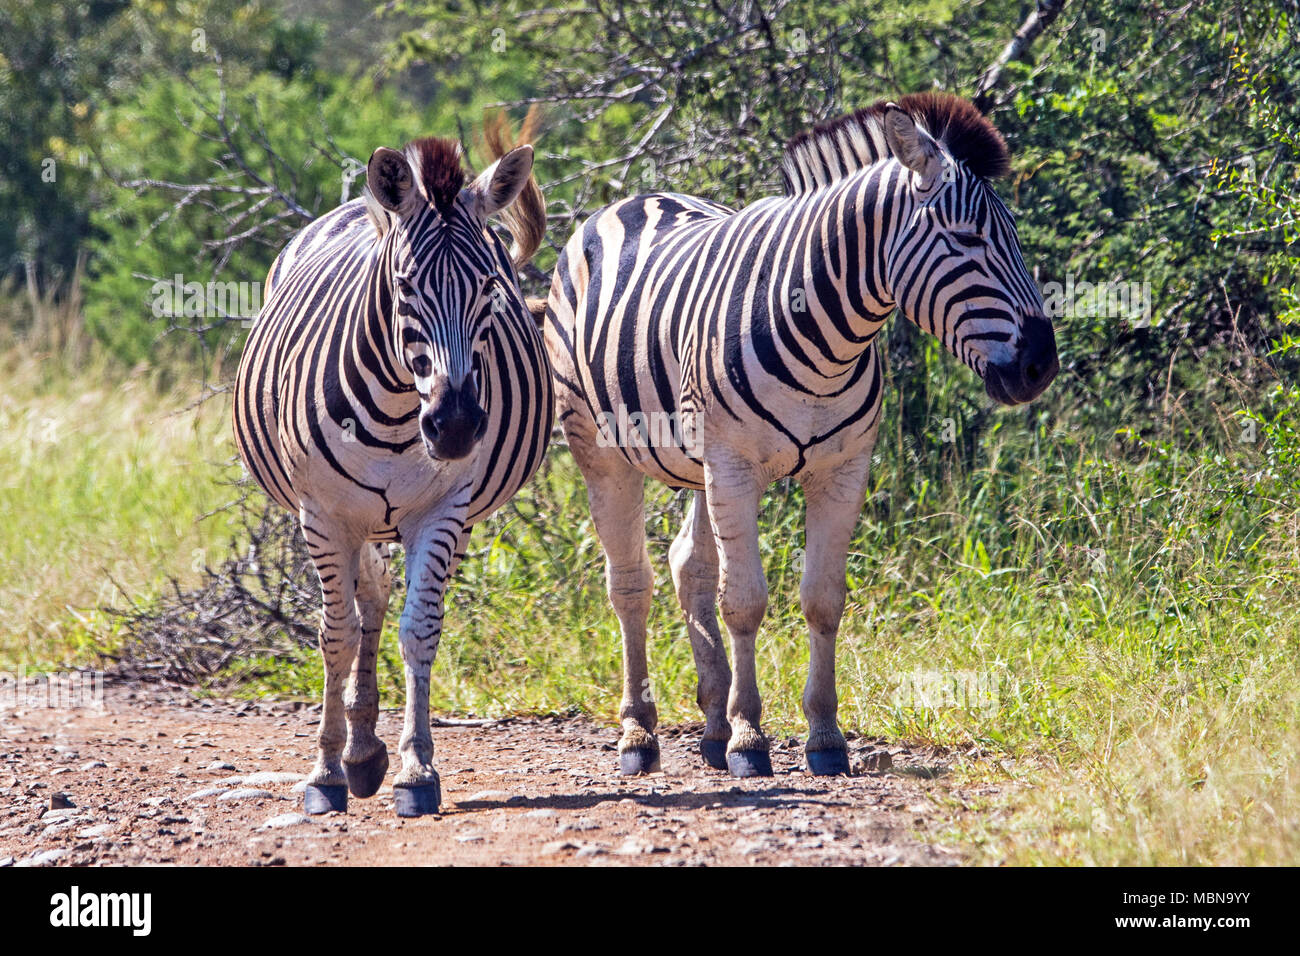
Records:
x=388, y=177
x=500, y=184
x=912, y=145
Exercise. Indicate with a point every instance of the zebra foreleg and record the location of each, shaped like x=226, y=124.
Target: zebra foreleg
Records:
x=732, y=490
x=365, y=759
x=336, y=561
x=430, y=552
x=833, y=501
x=693, y=558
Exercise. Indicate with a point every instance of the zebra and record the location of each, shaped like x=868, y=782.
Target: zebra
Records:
x=395, y=388
x=755, y=332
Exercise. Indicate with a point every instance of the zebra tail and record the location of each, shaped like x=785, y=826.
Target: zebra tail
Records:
x=525, y=218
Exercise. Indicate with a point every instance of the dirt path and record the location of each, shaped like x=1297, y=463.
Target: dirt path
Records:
x=158, y=777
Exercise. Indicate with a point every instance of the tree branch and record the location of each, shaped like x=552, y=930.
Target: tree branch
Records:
x=1039, y=20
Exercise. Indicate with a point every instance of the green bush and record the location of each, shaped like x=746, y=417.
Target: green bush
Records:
x=283, y=152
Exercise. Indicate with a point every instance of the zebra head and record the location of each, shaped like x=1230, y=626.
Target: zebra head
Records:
x=443, y=270
x=956, y=268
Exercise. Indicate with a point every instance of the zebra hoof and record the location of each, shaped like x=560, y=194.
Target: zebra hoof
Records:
x=638, y=760
x=417, y=801
x=749, y=763
x=366, y=777
x=325, y=798
x=714, y=753
x=828, y=763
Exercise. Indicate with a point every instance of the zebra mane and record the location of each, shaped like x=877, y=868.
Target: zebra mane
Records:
x=837, y=148
x=436, y=162
x=439, y=178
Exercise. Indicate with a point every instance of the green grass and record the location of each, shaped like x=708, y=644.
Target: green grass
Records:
x=104, y=480
x=1105, y=623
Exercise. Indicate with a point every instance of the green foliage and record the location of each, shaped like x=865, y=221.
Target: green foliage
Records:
x=1271, y=200
x=699, y=97
x=202, y=135
x=61, y=62
x=1118, y=135
x=220, y=159
x=51, y=58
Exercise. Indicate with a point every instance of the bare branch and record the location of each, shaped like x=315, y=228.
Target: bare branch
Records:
x=1038, y=20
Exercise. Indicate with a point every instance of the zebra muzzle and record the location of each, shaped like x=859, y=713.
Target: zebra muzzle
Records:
x=1035, y=366
x=453, y=424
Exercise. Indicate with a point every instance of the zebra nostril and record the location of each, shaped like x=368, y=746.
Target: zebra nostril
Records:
x=1033, y=372
x=428, y=427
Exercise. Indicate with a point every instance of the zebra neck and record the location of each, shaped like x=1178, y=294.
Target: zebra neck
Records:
x=377, y=346
x=838, y=297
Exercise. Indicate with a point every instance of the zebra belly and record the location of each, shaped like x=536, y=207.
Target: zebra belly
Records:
x=773, y=454
x=658, y=441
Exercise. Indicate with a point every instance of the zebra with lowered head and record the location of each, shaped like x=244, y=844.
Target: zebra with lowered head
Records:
x=395, y=388
x=754, y=332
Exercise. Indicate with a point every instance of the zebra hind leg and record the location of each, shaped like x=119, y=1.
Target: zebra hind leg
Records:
x=693, y=558
x=365, y=759
x=336, y=562
x=616, y=493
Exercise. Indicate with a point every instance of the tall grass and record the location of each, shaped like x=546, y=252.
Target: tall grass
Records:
x=104, y=475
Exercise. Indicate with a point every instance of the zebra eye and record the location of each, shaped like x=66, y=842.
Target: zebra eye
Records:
x=404, y=284
x=971, y=240
x=421, y=366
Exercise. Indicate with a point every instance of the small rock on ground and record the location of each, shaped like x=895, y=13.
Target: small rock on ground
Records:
x=285, y=820
x=874, y=761
x=246, y=793
x=44, y=858
x=204, y=794
x=270, y=778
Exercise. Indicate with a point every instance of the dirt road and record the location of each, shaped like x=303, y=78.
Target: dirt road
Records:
x=159, y=777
